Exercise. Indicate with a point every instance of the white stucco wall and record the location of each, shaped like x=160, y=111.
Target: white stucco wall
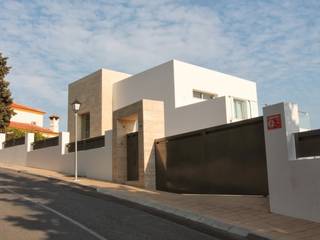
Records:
x=197, y=116
x=49, y=158
x=16, y=155
x=27, y=117
x=294, y=184
x=173, y=83
x=93, y=163
x=189, y=77
x=156, y=83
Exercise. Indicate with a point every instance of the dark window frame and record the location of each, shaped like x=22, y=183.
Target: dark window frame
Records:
x=85, y=130
x=203, y=95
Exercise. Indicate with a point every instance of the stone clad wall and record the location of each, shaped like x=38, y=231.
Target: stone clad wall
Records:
x=88, y=92
x=148, y=116
x=95, y=94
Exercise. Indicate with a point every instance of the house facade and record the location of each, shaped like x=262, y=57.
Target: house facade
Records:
x=176, y=127
x=31, y=120
x=193, y=97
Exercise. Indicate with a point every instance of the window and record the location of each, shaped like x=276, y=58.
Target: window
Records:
x=85, y=125
x=197, y=94
x=204, y=95
x=240, y=109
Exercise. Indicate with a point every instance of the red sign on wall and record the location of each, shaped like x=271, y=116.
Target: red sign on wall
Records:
x=274, y=121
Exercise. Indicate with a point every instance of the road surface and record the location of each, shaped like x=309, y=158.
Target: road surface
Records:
x=33, y=207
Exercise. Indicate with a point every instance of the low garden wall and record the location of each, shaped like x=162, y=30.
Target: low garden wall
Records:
x=16, y=155
x=95, y=162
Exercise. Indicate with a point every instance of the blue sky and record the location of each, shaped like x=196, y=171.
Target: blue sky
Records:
x=52, y=43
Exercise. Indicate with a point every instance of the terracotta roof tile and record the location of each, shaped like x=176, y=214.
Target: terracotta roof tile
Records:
x=27, y=108
x=31, y=127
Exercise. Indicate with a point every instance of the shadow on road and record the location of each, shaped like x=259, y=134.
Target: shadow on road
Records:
x=107, y=216
x=26, y=215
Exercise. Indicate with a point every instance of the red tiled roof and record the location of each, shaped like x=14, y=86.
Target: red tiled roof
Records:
x=26, y=108
x=30, y=127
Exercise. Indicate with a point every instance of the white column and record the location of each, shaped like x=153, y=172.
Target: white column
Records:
x=230, y=109
x=280, y=149
x=294, y=184
x=2, y=140
x=249, y=109
x=29, y=139
x=64, y=138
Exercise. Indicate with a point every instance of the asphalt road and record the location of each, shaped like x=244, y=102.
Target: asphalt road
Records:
x=32, y=207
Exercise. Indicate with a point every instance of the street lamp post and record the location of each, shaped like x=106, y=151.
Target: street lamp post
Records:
x=76, y=107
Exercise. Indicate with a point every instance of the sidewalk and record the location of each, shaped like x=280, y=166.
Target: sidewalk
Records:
x=236, y=214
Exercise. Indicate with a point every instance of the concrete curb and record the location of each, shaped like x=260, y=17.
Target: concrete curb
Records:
x=232, y=229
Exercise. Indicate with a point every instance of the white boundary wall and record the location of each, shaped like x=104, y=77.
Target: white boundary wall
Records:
x=294, y=184
x=16, y=155
x=93, y=163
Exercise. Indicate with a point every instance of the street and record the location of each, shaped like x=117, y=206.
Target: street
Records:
x=33, y=207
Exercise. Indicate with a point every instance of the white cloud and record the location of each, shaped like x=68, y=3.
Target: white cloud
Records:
x=51, y=43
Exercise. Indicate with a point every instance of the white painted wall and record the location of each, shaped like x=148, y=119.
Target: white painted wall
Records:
x=156, y=83
x=188, y=77
x=173, y=83
x=197, y=116
x=294, y=184
x=16, y=155
x=94, y=163
x=48, y=158
x=28, y=117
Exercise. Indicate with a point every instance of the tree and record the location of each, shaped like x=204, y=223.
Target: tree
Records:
x=6, y=112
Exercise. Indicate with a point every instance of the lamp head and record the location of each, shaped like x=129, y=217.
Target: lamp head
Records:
x=76, y=106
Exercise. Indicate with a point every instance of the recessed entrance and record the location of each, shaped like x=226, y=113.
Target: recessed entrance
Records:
x=135, y=127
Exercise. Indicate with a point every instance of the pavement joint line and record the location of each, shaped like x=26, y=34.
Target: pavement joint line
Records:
x=88, y=230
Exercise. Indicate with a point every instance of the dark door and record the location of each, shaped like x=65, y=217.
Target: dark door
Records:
x=132, y=157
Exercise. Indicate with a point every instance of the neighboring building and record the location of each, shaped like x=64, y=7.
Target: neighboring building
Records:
x=194, y=97
x=31, y=119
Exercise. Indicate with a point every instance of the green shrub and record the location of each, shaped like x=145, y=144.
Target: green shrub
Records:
x=38, y=137
x=14, y=133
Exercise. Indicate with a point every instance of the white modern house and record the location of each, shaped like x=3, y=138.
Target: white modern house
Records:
x=194, y=97
x=122, y=115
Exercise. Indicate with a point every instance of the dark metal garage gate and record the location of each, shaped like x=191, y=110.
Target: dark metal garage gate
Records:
x=227, y=159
